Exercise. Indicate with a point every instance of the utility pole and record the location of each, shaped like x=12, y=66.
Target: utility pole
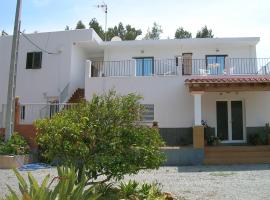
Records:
x=104, y=6
x=10, y=110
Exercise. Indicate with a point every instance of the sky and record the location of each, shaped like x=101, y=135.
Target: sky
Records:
x=227, y=18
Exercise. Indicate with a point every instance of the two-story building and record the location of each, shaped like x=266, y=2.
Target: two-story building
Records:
x=183, y=81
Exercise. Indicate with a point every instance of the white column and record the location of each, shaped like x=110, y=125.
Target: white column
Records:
x=88, y=70
x=197, y=108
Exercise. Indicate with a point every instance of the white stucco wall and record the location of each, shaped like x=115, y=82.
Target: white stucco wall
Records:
x=256, y=109
x=172, y=101
x=174, y=105
x=33, y=85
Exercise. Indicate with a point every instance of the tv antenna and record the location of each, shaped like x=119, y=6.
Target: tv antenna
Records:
x=104, y=7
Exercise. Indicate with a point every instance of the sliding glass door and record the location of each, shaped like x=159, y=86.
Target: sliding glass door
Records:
x=144, y=66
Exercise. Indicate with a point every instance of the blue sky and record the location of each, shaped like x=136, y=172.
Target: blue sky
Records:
x=227, y=18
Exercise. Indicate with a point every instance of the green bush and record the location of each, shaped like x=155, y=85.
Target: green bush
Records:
x=103, y=137
x=257, y=139
x=133, y=190
x=65, y=189
x=17, y=145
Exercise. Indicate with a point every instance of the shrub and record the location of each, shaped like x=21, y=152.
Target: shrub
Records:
x=103, y=137
x=66, y=188
x=17, y=145
x=257, y=139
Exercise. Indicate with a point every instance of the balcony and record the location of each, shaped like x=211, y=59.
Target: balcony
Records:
x=180, y=67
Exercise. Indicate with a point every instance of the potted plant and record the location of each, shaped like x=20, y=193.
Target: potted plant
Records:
x=155, y=124
x=14, y=153
x=267, y=130
x=213, y=141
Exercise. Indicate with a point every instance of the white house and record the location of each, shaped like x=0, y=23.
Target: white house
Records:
x=183, y=81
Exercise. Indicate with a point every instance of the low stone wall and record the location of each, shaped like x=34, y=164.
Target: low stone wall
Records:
x=181, y=136
x=179, y=156
x=28, y=131
x=176, y=136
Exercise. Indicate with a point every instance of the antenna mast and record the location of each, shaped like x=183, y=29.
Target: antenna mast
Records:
x=104, y=6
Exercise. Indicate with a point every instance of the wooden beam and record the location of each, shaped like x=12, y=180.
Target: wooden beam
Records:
x=229, y=87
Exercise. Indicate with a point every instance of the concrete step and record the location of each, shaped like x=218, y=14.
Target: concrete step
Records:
x=237, y=154
x=238, y=160
x=262, y=148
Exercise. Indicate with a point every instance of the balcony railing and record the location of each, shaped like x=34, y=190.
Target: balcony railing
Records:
x=180, y=66
x=31, y=112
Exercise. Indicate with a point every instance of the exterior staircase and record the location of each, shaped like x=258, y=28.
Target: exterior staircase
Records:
x=220, y=155
x=77, y=96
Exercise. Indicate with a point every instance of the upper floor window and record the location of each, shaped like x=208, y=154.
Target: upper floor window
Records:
x=215, y=64
x=33, y=60
x=144, y=66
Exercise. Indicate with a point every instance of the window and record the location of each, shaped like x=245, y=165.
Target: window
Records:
x=33, y=60
x=144, y=66
x=148, y=113
x=215, y=64
x=22, y=112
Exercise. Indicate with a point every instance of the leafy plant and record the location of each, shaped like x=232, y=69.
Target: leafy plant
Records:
x=66, y=188
x=17, y=145
x=257, y=139
x=133, y=190
x=213, y=140
x=102, y=137
x=129, y=190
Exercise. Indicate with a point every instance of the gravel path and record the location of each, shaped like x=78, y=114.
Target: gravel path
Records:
x=191, y=182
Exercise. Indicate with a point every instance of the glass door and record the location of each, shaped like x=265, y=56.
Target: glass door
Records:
x=230, y=123
x=144, y=66
x=215, y=64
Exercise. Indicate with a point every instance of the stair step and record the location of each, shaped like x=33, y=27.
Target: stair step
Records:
x=237, y=154
x=77, y=96
x=243, y=160
x=262, y=148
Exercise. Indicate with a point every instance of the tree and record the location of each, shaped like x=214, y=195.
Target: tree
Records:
x=180, y=33
x=132, y=33
x=155, y=32
x=102, y=138
x=97, y=28
x=67, y=28
x=205, y=33
x=80, y=25
x=125, y=33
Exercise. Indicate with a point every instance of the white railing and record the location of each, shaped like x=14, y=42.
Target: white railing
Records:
x=125, y=68
x=31, y=112
x=64, y=94
x=170, y=67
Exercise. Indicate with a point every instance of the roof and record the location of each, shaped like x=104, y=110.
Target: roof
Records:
x=190, y=41
x=228, y=79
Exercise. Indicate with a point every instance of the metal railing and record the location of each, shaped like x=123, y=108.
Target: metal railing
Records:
x=64, y=94
x=162, y=67
x=31, y=112
x=179, y=65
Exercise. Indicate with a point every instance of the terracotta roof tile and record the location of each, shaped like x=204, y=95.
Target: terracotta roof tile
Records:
x=228, y=79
